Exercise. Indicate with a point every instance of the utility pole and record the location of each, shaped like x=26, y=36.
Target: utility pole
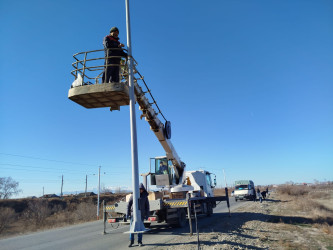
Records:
x=226, y=192
x=99, y=185
x=62, y=184
x=225, y=179
x=85, y=193
x=137, y=225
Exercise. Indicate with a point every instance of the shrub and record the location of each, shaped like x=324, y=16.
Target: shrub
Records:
x=37, y=212
x=85, y=212
x=293, y=190
x=7, y=216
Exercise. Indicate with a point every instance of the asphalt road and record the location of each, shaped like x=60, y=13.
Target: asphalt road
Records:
x=89, y=235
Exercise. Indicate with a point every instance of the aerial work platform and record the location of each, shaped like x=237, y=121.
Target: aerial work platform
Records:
x=88, y=89
x=103, y=95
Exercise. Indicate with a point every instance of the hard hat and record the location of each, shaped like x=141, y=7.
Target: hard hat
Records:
x=114, y=29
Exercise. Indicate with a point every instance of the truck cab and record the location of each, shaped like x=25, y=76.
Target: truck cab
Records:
x=202, y=183
x=161, y=172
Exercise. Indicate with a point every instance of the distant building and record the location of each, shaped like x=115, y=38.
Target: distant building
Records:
x=84, y=194
x=50, y=196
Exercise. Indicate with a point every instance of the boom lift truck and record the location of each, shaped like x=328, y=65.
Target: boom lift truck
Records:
x=182, y=193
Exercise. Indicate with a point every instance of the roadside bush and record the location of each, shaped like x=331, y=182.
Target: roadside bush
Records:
x=85, y=212
x=293, y=190
x=37, y=212
x=7, y=216
x=30, y=214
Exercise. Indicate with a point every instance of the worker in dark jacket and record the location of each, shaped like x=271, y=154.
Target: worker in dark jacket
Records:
x=143, y=207
x=113, y=53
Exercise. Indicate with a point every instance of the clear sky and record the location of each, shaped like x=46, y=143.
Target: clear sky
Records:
x=247, y=86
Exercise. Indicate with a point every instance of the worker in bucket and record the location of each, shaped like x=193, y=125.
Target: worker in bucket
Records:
x=143, y=207
x=113, y=53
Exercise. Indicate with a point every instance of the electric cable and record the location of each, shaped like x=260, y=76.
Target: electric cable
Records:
x=43, y=159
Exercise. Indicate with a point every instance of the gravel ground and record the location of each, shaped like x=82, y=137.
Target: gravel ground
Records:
x=273, y=224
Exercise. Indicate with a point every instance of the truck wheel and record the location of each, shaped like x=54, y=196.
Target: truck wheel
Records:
x=181, y=220
x=147, y=225
x=209, y=209
x=236, y=200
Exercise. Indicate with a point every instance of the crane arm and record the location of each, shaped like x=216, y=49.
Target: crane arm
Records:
x=160, y=132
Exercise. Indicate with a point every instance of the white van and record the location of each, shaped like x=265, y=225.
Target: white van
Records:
x=244, y=189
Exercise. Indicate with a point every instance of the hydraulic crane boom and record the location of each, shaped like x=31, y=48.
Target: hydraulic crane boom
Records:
x=162, y=132
x=114, y=95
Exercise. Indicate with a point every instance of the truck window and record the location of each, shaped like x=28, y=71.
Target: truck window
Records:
x=242, y=187
x=208, y=180
x=161, y=166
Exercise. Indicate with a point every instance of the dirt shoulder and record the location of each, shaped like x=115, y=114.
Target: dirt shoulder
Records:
x=279, y=222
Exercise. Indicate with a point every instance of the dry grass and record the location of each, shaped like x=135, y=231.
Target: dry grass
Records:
x=85, y=211
x=221, y=191
x=311, y=201
x=292, y=190
x=7, y=216
x=38, y=214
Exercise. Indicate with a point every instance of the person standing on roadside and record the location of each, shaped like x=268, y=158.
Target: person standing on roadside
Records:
x=113, y=53
x=263, y=194
x=143, y=207
x=259, y=195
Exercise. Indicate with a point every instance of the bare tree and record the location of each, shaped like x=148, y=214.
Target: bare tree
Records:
x=105, y=189
x=8, y=187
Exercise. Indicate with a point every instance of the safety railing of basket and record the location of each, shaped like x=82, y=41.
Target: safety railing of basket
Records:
x=92, y=64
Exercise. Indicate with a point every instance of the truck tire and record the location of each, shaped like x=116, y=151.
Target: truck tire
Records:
x=236, y=199
x=181, y=220
x=209, y=209
x=146, y=224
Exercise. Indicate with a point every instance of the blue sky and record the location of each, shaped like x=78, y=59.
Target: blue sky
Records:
x=247, y=86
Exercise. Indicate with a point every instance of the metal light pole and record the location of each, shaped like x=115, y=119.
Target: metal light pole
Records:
x=99, y=185
x=225, y=179
x=62, y=184
x=137, y=224
x=85, y=191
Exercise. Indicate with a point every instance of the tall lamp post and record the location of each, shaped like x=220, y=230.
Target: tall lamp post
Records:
x=99, y=189
x=137, y=224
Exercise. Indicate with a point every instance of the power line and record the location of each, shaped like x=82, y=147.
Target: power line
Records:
x=44, y=159
x=31, y=170
x=43, y=168
x=48, y=171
